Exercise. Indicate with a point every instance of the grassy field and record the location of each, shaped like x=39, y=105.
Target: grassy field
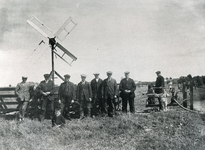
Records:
x=172, y=130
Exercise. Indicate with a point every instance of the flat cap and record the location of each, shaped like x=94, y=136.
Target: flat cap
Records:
x=109, y=72
x=127, y=72
x=46, y=75
x=24, y=77
x=83, y=75
x=96, y=73
x=158, y=72
x=67, y=76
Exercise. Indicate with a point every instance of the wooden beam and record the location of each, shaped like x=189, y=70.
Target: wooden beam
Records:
x=191, y=96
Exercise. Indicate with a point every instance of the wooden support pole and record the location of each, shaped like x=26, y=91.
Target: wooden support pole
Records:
x=52, y=58
x=191, y=96
x=184, y=95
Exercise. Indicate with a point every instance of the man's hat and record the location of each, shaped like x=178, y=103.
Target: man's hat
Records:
x=24, y=77
x=46, y=75
x=158, y=72
x=109, y=72
x=96, y=73
x=83, y=75
x=67, y=76
x=127, y=72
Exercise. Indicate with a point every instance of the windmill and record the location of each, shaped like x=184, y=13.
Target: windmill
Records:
x=60, y=34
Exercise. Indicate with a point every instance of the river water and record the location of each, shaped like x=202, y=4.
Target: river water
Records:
x=199, y=105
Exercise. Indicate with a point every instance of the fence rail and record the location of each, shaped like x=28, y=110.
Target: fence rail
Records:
x=8, y=102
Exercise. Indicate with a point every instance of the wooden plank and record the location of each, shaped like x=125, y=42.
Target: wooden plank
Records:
x=63, y=27
x=172, y=104
x=9, y=110
x=37, y=28
x=62, y=58
x=184, y=95
x=8, y=103
x=8, y=96
x=3, y=105
x=7, y=88
x=42, y=24
x=7, y=93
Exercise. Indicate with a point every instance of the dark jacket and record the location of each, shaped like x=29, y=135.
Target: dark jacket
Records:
x=47, y=87
x=96, y=88
x=109, y=88
x=127, y=85
x=74, y=110
x=159, y=84
x=83, y=91
x=67, y=90
x=58, y=120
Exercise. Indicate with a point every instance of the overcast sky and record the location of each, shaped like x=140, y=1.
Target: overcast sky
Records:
x=140, y=36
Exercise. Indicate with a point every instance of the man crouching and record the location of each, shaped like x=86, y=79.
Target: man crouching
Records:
x=58, y=120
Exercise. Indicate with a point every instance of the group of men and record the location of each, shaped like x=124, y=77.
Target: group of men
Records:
x=97, y=96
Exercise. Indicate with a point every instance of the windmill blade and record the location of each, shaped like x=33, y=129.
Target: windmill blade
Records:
x=40, y=27
x=62, y=58
x=65, y=51
x=63, y=28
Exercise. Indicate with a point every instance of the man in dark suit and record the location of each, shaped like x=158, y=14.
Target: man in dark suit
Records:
x=84, y=96
x=66, y=94
x=127, y=88
x=109, y=92
x=159, y=85
x=46, y=88
x=97, y=104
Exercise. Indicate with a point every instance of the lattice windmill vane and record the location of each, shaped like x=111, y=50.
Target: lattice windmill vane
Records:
x=60, y=34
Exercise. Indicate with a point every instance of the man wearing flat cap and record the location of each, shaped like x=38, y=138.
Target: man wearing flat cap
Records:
x=159, y=85
x=96, y=86
x=109, y=93
x=46, y=88
x=66, y=95
x=127, y=88
x=22, y=90
x=84, y=96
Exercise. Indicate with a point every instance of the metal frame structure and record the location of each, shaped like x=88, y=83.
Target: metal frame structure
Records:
x=47, y=33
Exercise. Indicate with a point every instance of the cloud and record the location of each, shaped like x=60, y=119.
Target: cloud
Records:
x=4, y=23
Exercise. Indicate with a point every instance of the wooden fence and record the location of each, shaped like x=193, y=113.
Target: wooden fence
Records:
x=8, y=100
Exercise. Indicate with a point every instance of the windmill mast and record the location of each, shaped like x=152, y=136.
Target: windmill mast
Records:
x=52, y=42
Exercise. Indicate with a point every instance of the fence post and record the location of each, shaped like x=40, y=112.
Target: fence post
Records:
x=184, y=95
x=191, y=96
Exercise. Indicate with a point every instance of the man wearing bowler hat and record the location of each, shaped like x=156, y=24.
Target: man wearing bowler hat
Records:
x=66, y=94
x=96, y=86
x=127, y=88
x=109, y=93
x=46, y=88
x=84, y=96
x=22, y=90
x=159, y=85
